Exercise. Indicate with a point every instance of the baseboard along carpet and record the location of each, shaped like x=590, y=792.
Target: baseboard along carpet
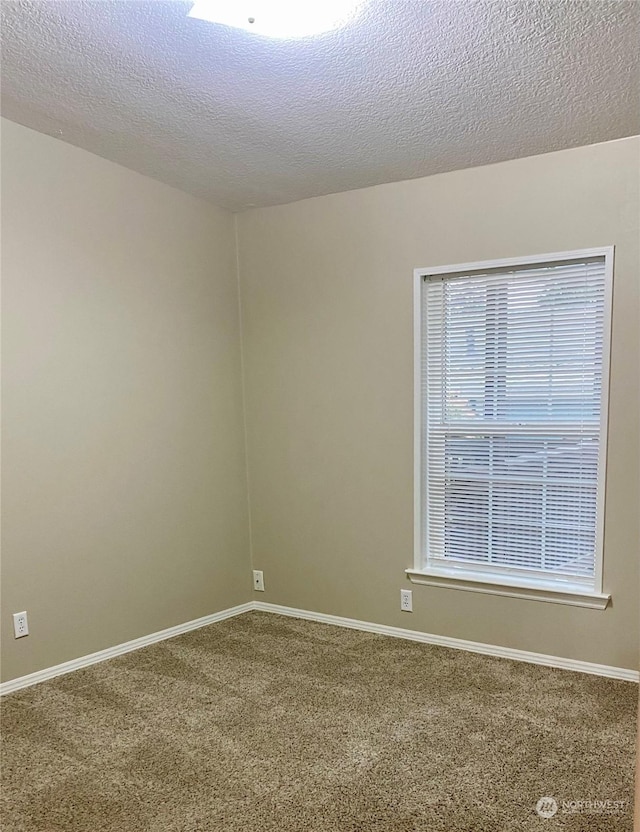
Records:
x=262, y=723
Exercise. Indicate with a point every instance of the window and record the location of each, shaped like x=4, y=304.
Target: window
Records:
x=511, y=400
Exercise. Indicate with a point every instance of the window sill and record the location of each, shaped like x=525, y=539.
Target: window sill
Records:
x=575, y=596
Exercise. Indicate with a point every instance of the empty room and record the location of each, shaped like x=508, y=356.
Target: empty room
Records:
x=320, y=415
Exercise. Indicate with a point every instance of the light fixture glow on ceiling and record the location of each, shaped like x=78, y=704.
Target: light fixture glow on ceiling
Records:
x=277, y=18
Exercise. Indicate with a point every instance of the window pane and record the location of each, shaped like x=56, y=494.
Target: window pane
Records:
x=512, y=389
x=524, y=350
x=511, y=491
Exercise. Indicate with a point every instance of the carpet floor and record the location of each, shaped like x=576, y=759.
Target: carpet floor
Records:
x=268, y=724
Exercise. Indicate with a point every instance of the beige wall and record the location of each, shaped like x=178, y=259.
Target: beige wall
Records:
x=124, y=504
x=326, y=289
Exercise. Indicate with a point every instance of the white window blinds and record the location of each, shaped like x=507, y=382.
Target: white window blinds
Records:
x=512, y=391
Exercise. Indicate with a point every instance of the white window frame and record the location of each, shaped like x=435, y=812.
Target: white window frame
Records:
x=477, y=578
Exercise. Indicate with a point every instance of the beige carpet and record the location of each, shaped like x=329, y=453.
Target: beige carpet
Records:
x=266, y=723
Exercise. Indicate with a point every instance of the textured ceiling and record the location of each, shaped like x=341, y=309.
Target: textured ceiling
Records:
x=408, y=88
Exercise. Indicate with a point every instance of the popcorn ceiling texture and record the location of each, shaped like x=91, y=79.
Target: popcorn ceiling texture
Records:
x=408, y=88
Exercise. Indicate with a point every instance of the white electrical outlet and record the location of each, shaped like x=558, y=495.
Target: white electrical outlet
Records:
x=258, y=580
x=20, y=624
x=406, y=600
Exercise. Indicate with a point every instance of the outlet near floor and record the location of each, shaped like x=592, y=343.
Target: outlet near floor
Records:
x=258, y=580
x=406, y=600
x=20, y=624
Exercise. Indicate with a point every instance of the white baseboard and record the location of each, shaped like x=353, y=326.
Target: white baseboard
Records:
x=119, y=649
x=322, y=618
x=456, y=643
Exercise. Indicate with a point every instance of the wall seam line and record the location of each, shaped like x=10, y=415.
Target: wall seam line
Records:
x=243, y=388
